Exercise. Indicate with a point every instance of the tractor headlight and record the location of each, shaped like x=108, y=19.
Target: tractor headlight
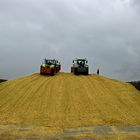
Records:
x=52, y=66
x=43, y=65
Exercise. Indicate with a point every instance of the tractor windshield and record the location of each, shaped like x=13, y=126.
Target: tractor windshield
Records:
x=48, y=62
x=81, y=62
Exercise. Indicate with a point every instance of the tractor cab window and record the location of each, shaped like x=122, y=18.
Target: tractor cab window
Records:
x=47, y=62
x=53, y=62
x=81, y=62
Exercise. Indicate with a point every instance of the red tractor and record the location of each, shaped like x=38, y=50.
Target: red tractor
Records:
x=50, y=67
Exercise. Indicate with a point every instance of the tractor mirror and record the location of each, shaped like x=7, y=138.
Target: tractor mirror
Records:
x=73, y=61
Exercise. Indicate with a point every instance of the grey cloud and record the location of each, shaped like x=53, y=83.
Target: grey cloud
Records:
x=136, y=2
x=106, y=32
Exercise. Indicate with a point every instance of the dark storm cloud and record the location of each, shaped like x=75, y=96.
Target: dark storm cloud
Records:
x=106, y=32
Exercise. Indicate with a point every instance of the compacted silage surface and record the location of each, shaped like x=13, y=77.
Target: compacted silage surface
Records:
x=67, y=101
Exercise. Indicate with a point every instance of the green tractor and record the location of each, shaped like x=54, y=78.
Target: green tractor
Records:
x=80, y=67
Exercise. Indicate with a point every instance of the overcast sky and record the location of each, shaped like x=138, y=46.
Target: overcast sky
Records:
x=106, y=32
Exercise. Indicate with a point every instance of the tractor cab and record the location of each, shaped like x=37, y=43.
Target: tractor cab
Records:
x=48, y=62
x=81, y=62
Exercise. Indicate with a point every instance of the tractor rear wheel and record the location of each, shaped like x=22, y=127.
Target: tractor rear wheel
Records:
x=87, y=71
x=75, y=71
x=52, y=72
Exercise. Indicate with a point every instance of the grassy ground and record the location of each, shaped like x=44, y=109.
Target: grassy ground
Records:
x=67, y=101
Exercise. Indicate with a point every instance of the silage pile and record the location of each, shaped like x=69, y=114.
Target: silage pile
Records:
x=65, y=101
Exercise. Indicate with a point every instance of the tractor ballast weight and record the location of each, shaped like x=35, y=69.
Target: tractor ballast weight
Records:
x=50, y=67
x=80, y=67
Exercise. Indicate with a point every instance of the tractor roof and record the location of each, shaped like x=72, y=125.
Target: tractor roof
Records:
x=80, y=59
x=50, y=59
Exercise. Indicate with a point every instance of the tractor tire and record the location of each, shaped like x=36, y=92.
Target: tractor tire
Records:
x=75, y=71
x=87, y=71
x=52, y=72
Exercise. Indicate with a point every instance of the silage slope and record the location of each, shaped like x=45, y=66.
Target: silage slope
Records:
x=66, y=100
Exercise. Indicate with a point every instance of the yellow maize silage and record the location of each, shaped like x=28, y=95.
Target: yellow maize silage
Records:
x=68, y=101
